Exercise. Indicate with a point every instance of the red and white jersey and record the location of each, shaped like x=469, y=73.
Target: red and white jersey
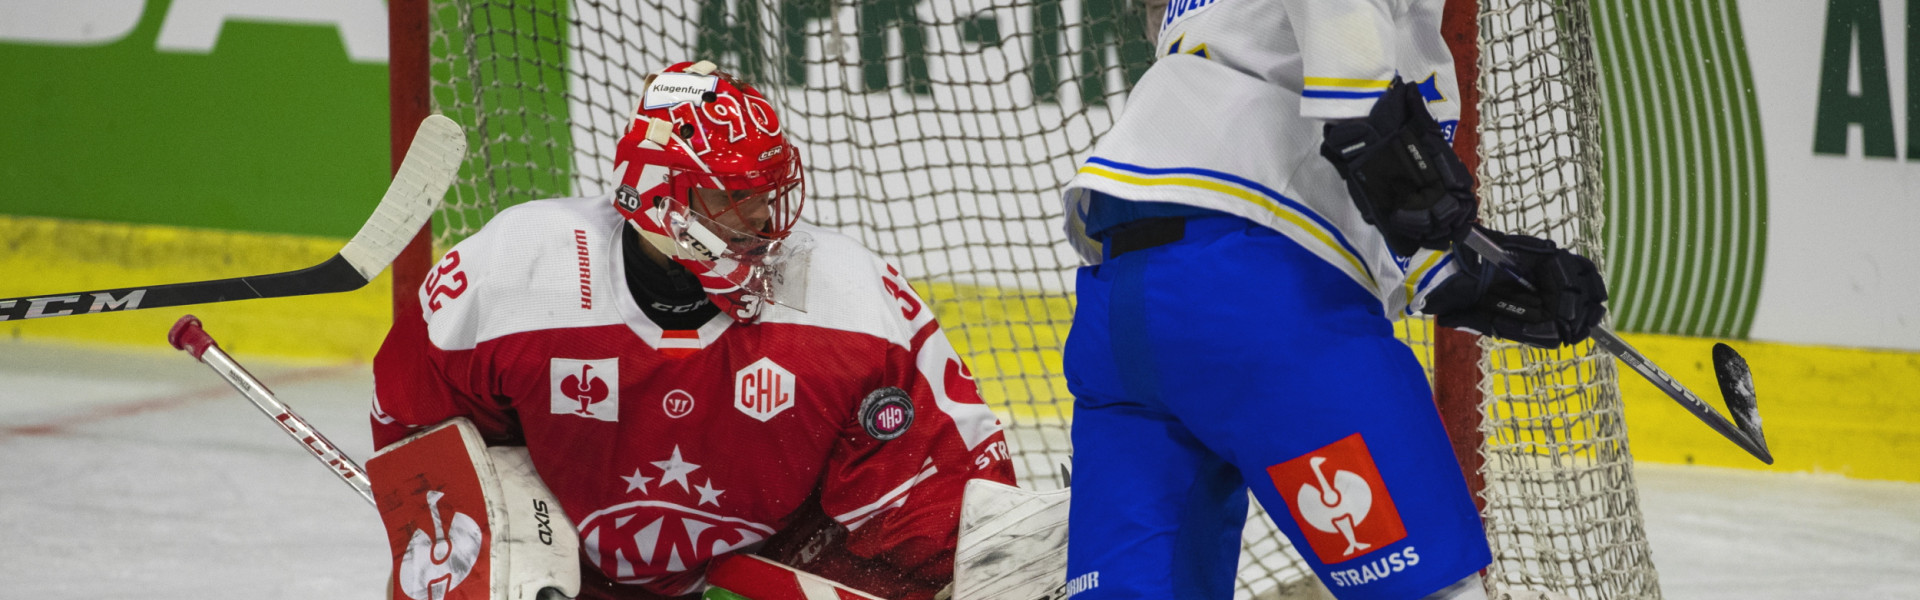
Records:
x=855, y=421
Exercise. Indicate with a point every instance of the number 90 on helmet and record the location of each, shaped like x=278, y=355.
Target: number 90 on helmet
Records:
x=707, y=178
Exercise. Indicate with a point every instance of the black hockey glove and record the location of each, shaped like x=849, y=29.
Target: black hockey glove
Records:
x=1402, y=172
x=1562, y=308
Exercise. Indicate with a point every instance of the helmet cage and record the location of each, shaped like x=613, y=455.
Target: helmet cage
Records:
x=742, y=271
x=781, y=192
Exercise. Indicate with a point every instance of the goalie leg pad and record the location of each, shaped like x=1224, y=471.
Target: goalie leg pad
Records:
x=1013, y=543
x=465, y=521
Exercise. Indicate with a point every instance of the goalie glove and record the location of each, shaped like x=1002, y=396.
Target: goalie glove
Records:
x=1402, y=173
x=1562, y=305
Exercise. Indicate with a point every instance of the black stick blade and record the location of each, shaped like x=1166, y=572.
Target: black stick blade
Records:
x=1736, y=385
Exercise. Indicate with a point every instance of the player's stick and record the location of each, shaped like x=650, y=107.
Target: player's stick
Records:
x=189, y=336
x=1736, y=381
x=417, y=188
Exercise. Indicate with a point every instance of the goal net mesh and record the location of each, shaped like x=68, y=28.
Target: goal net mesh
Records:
x=939, y=135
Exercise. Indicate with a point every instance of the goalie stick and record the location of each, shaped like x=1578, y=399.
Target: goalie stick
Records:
x=188, y=335
x=417, y=187
x=1736, y=380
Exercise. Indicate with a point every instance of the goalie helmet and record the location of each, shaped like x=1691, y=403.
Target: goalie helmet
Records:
x=708, y=179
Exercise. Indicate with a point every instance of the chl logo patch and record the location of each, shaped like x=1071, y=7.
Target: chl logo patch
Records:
x=1339, y=500
x=763, y=389
x=887, y=413
x=586, y=388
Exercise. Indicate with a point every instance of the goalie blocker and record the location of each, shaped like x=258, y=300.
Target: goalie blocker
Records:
x=469, y=522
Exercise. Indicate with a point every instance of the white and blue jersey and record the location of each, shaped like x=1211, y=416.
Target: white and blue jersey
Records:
x=1229, y=118
x=1234, y=329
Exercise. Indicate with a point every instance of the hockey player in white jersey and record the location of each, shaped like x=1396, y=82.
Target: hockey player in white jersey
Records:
x=1279, y=189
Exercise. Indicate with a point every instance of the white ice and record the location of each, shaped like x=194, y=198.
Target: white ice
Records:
x=140, y=474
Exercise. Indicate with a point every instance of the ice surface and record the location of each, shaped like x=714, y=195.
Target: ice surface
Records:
x=139, y=474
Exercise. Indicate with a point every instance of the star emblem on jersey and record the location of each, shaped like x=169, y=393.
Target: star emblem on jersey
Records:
x=708, y=495
x=637, y=482
x=675, y=470
x=1340, y=501
x=763, y=390
x=660, y=541
x=586, y=388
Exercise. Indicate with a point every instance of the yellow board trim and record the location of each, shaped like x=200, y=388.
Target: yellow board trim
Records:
x=1848, y=411
x=1834, y=410
x=1243, y=194
x=52, y=256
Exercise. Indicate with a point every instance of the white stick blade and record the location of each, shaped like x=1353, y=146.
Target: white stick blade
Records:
x=428, y=170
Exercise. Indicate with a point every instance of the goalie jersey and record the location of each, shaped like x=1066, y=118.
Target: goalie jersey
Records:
x=1229, y=118
x=837, y=440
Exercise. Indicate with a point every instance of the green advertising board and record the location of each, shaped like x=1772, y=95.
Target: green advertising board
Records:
x=252, y=116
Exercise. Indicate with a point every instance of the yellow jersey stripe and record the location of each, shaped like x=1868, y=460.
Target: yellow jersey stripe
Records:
x=1347, y=83
x=1413, y=277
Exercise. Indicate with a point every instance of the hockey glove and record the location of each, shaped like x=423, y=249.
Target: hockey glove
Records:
x=1402, y=172
x=1562, y=307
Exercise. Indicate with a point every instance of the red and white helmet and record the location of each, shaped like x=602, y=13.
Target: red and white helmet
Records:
x=708, y=179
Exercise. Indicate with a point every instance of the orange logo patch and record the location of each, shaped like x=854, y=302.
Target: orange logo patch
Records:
x=1339, y=500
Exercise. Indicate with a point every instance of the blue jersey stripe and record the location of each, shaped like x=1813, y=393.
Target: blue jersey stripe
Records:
x=1249, y=184
x=1339, y=95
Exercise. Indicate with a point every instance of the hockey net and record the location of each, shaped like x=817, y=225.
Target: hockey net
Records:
x=939, y=135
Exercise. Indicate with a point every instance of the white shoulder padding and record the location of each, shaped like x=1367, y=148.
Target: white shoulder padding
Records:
x=1013, y=543
x=459, y=513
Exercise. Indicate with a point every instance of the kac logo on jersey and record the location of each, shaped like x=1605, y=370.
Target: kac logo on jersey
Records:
x=763, y=389
x=662, y=545
x=586, y=388
x=1339, y=500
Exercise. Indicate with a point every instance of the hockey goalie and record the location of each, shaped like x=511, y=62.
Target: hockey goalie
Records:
x=683, y=375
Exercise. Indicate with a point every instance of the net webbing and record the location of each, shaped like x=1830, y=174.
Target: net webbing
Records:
x=939, y=134
x=1561, y=510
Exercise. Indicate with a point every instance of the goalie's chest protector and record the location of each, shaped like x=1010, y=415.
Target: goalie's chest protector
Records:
x=666, y=448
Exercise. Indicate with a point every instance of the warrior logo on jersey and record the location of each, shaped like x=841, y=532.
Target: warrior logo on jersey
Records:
x=1340, y=501
x=586, y=388
x=678, y=403
x=763, y=389
x=886, y=413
